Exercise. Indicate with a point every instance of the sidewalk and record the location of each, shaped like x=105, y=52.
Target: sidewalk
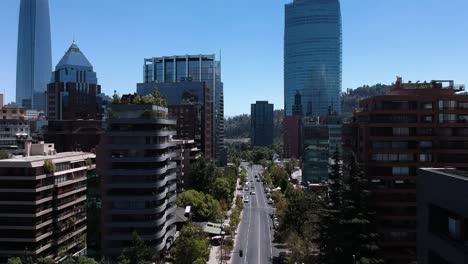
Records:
x=215, y=251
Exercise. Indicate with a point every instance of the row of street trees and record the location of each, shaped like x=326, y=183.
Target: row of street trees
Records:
x=335, y=225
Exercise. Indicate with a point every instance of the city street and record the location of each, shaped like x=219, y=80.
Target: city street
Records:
x=255, y=237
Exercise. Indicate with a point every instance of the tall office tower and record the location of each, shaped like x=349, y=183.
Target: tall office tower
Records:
x=418, y=125
x=34, y=62
x=261, y=124
x=312, y=55
x=43, y=203
x=191, y=68
x=138, y=178
x=73, y=90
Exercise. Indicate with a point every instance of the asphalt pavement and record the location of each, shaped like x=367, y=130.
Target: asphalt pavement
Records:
x=255, y=237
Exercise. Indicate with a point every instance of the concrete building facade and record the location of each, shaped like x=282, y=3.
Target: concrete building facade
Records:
x=43, y=210
x=138, y=178
x=442, y=216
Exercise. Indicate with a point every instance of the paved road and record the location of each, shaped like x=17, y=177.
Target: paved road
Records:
x=255, y=236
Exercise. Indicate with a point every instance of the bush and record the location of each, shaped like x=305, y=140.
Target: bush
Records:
x=3, y=155
x=49, y=167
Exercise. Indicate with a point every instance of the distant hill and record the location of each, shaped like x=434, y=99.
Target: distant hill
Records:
x=239, y=126
x=350, y=98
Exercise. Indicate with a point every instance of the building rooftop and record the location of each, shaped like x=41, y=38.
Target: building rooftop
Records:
x=74, y=57
x=34, y=158
x=451, y=172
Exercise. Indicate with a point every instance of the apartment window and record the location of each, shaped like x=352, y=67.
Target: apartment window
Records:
x=463, y=105
x=447, y=118
x=400, y=171
x=450, y=105
x=463, y=118
x=426, y=131
x=427, y=119
x=425, y=144
x=425, y=157
x=426, y=105
x=454, y=228
x=401, y=131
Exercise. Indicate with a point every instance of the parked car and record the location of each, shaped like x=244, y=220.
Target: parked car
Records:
x=246, y=199
x=252, y=193
x=270, y=201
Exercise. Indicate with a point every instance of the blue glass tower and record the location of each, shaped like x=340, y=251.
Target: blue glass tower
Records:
x=312, y=55
x=34, y=62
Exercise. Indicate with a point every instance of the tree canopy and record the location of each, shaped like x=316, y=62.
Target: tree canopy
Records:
x=192, y=245
x=204, y=206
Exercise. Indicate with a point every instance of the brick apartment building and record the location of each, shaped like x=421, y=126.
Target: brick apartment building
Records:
x=416, y=125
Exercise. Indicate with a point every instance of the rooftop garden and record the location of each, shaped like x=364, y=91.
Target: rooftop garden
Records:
x=154, y=99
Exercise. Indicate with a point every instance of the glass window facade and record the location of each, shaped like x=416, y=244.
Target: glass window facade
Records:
x=34, y=61
x=312, y=55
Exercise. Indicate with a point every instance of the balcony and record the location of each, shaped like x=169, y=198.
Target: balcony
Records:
x=140, y=172
x=156, y=197
x=138, y=159
x=144, y=184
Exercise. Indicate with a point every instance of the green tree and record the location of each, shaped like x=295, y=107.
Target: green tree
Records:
x=346, y=224
x=191, y=246
x=204, y=206
x=14, y=260
x=49, y=167
x=80, y=260
x=45, y=261
x=137, y=253
x=3, y=155
x=203, y=173
x=359, y=222
x=331, y=239
x=115, y=98
x=222, y=189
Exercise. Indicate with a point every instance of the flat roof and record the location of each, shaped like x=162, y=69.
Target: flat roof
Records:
x=451, y=172
x=59, y=157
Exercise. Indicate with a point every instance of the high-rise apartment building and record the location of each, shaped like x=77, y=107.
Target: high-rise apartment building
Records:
x=312, y=55
x=73, y=90
x=442, y=216
x=192, y=105
x=138, y=177
x=261, y=124
x=191, y=68
x=43, y=203
x=416, y=125
x=34, y=62
x=14, y=129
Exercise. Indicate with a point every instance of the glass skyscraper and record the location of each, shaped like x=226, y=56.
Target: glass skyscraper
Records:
x=34, y=62
x=191, y=68
x=312, y=56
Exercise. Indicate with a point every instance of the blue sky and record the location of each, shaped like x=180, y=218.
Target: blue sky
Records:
x=417, y=39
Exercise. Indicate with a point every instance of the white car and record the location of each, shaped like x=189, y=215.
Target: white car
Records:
x=246, y=199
